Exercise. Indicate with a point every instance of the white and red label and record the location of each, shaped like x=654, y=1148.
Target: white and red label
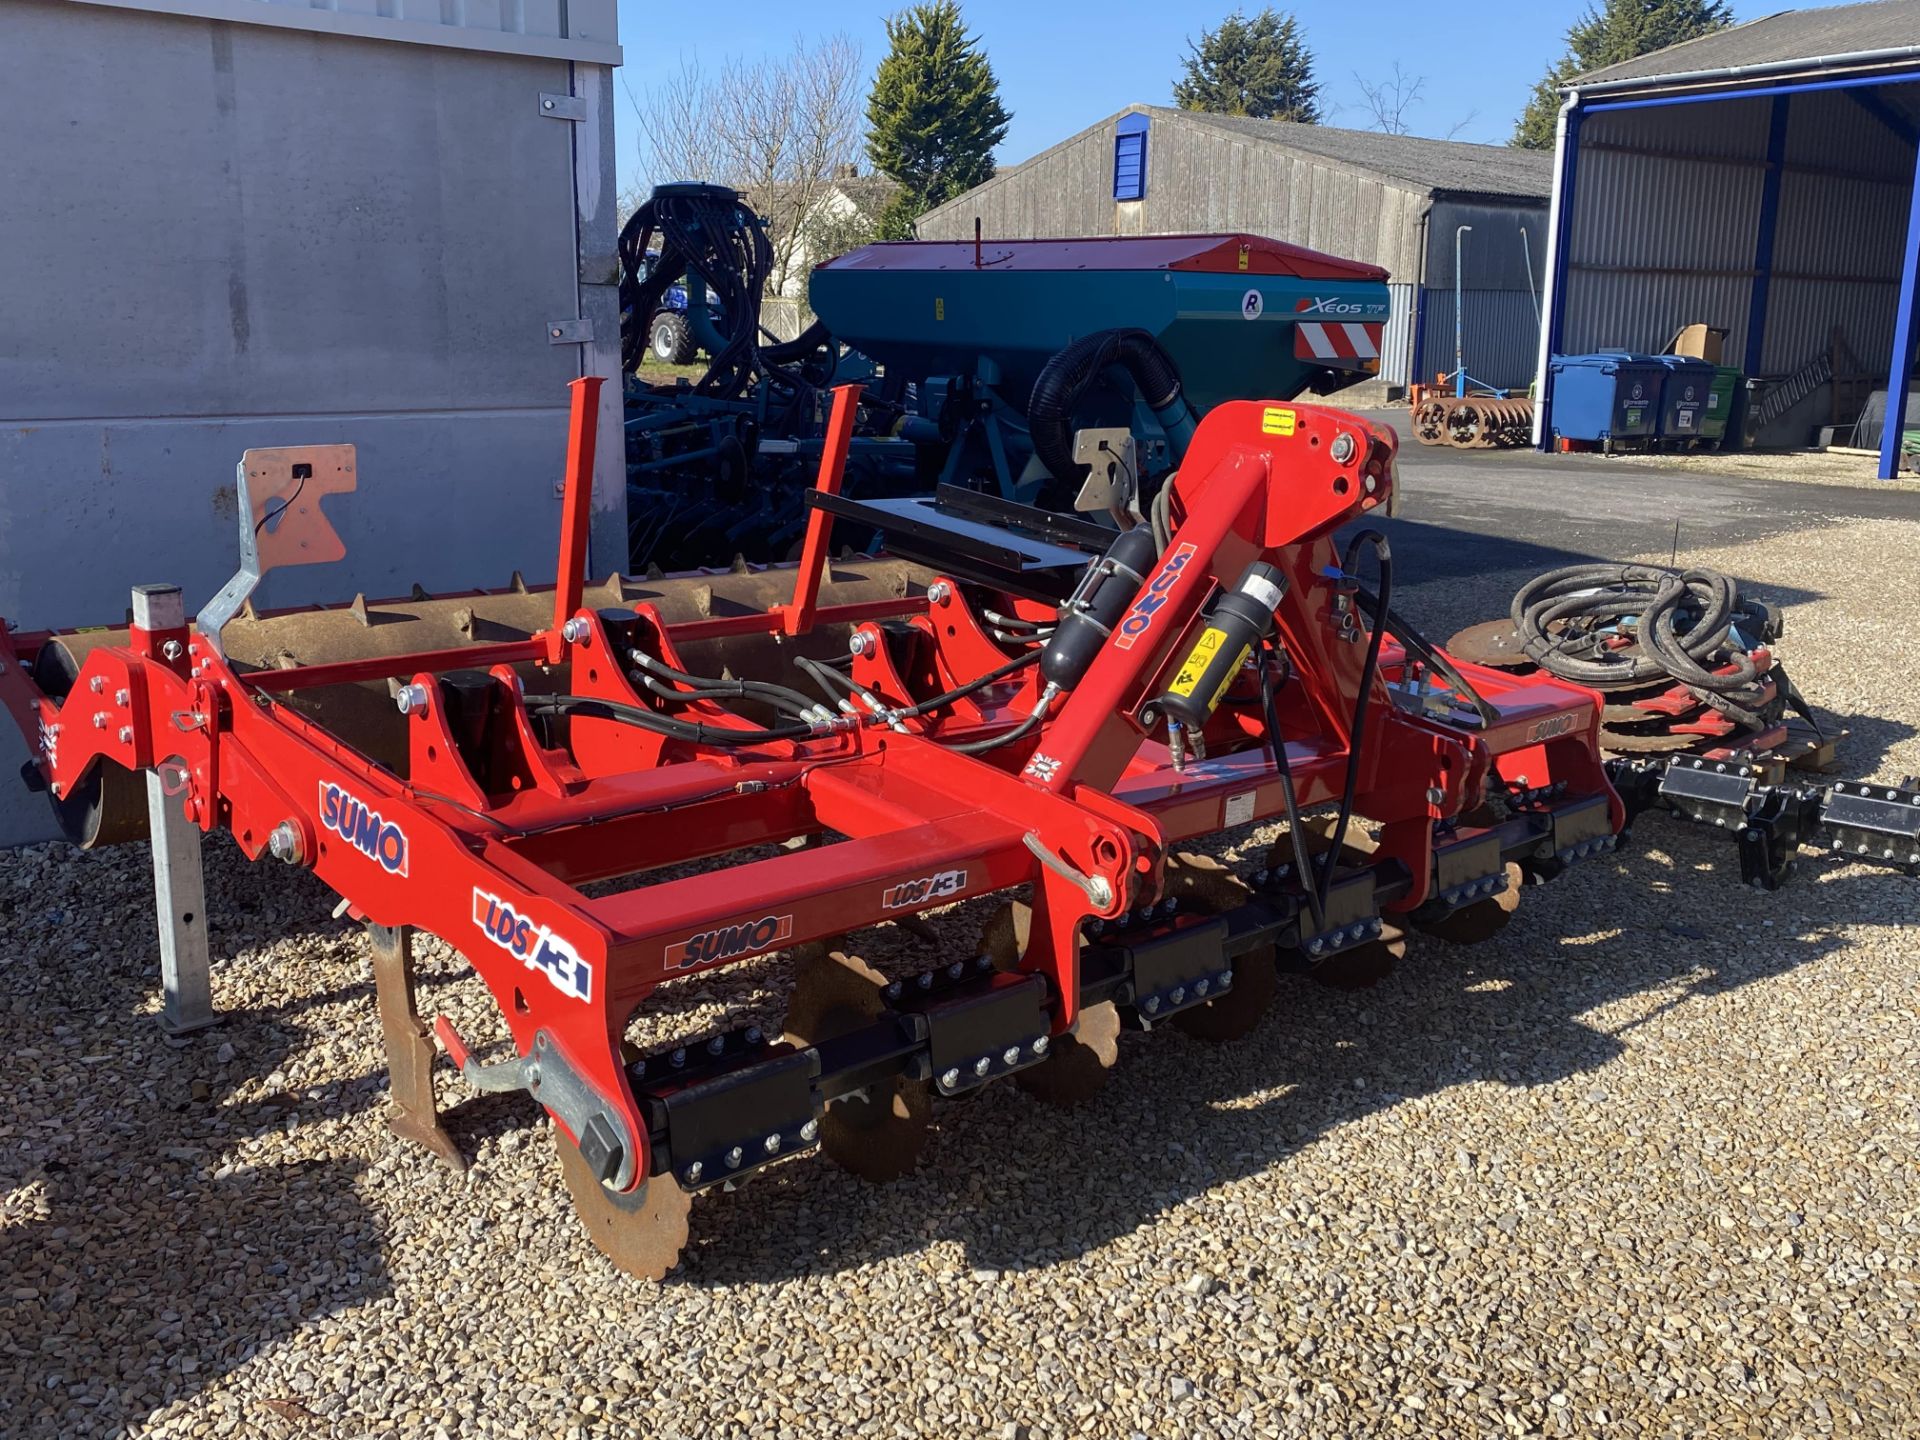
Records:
x=534, y=946
x=924, y=891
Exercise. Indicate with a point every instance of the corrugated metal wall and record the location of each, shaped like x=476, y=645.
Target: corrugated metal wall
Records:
x=1666, y=214
x=1841, y=234
x=1506, y=251
x=1396, y=345
x=1500, y=336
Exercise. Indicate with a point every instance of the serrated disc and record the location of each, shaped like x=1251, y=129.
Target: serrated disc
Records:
x=643, y=1232
x=877, y=1136
x=1204, y=886
x=1077, y=1063
x=1482, y=920
x=1363, y=965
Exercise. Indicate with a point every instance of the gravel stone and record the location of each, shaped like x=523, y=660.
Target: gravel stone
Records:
x=1642, y=1165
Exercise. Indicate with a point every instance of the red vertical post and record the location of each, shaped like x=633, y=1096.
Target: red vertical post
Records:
x=797, y=618
x=576, y=508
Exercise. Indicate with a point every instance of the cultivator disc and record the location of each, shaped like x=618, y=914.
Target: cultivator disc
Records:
x=1430, y=422
x=642, y=1232
x=1480, y=921
x=1077, y=1063
x=1359, y=966
x=878, y=1133
x=1202, y=884
x=1474, y=422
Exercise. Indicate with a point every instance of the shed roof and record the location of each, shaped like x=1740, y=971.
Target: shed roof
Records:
x=1820, y=40
x=1433, y=166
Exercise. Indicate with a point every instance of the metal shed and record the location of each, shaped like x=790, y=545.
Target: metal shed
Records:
x=1391, y=200
x=240, y=223
x=1760, y=180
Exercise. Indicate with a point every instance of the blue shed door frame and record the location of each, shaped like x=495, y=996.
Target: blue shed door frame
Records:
x=1906, y=320
x=1130, y=158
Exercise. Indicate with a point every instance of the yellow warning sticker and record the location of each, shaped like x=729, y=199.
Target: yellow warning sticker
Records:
x=939, y=307
x=1275, y=421
x=1188, y=680
x=1233, y=673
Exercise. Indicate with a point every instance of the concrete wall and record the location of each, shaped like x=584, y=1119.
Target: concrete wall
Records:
x=219, y=235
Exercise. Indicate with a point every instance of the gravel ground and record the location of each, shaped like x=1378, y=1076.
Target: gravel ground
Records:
x=1807, y=467
x=1642, y=1165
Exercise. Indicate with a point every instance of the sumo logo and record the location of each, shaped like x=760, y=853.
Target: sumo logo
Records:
x=1139, y=617
x=534, y=946
x=730, y=941
x=1550, y=727
x=363, y=827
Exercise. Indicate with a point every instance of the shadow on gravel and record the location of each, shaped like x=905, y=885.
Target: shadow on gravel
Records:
x=142, y=1257
x=1178, y=1118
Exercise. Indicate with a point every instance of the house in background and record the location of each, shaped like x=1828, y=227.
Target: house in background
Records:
x=1391, y=200
x=841, y=215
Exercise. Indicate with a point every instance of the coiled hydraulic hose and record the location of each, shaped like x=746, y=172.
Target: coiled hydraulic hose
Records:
x=1591, y=604
x=1067, y=376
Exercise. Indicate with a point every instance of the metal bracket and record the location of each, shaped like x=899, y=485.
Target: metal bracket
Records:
x=570, y=332
x=562, y=107
x=179, y=890
x=545, y=1075
x=278, y=493
x=1874, y=822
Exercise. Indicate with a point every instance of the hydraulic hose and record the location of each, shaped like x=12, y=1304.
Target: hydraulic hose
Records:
x=689, y=730
x=1302, y=862
x=1383, y=556
x=1069, y=373
x=1567, y=621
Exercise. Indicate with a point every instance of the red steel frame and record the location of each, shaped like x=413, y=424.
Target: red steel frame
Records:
x=468, y=856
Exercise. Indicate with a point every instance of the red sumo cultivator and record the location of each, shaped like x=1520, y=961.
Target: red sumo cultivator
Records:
x=1013, y=704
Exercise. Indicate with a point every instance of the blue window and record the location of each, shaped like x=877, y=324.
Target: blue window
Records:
x=1130, y=158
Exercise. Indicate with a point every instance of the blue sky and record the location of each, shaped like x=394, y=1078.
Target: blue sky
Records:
x=1064, y=64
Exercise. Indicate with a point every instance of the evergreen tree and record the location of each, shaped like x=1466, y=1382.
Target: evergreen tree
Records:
x=1620, y=30
x=1259, y=67
x=934, y=115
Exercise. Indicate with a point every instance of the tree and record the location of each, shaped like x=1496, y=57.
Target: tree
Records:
x=780, y=131
x=1259, y=67
x=1619, y=30
x=1391, y=99
x=935, y=115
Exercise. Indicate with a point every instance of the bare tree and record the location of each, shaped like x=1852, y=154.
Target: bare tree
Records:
x=780, y=130
x=678, y=139
x=1389, y=100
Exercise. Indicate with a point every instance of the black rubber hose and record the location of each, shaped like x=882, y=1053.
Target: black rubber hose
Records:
x=1588, y=602
x=1066, y=378
x=801, y=347
x=999, y=672
x=745, y=689
x=689, y=730
x=1005, y=737
x=1303, y=863
x=1383, y=556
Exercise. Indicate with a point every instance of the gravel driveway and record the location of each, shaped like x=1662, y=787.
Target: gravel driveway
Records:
x=1643, y=1165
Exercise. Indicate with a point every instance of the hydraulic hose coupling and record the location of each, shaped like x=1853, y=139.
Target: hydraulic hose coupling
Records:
x=1239, y=620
